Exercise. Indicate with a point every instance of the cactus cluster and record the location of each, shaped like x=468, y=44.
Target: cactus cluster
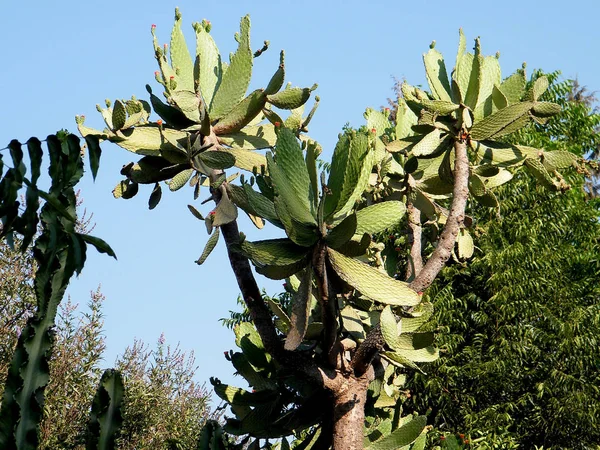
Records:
x=59, y=253
x=341, y=281
x=206, y=120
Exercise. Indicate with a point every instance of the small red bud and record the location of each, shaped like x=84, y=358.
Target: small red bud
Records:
x=226, y=354
x=442, y=438
x=156, y=73
x=172, y=77
x=461, y=435
x=420, y=293
x=387, y=109
x=392, y=236
x=466, y=441
x=159, y=122
x=277, y=124
x=153, y=26
x=285, y=285
x=398, y=249
x=373, y=130
x=212, y=213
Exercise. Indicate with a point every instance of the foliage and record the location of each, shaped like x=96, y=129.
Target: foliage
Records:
x=518, y=325
x=348, y=329
x=59, y=253
x=162, y=403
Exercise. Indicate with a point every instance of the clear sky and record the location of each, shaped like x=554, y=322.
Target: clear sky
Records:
x=61, y=58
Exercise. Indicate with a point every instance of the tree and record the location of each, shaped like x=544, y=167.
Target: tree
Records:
x=519, y=324
x=336, y=358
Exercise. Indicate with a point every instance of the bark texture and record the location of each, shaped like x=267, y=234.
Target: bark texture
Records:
x=374, y=341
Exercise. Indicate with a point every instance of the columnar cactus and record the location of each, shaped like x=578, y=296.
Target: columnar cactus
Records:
x=59, y=252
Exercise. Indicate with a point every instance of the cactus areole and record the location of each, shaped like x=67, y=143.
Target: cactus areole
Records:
x=352, y=328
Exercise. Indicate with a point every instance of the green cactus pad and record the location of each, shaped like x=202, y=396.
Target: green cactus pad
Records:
x=372, y=283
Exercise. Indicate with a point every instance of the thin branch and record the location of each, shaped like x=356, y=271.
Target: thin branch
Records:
x=415, y=263
x=259, y=312
x=374, y=341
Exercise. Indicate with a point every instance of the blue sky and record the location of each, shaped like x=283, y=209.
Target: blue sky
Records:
x=62, y=58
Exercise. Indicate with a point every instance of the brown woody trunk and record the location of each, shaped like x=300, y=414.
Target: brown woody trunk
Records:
x=349, y=413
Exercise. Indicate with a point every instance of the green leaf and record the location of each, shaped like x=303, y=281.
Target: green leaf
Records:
x=539, y=86
x=290, y=160
x=278, y=252
x=94, y=151
x=210, y=246
x=207, y=68
x=513, y=87
x=291, y=98
x=34, y=148
x=245, y=159
x=427, y=354
x=261, y=205
x=342, y=232
x=236, y=79
x=428, y=144
x=225, y=212
x=251, y=138
x=169, y=114
x=437, y=77
x=558, y=160
x=352, y=323
x=119, y=115
x=541, y=174
x=415, y=341
x=501, y=155
x=465, y=244
x=546, y=109
x=106, y=415
x=242, y=114
x=189, y=104
x=155, y=196
x=441, y=107
x=302, y=234
x=301, y=306
x=276, y=81
x=180, y=180
x=216, y=159
x=402, y=436
x=195, y=212
x=389, y=328
x=358, y=166
x=180, y=56
x=292, y=189
x=98, y=243
x=372, y=283
x=502, y=122
x=379, y=217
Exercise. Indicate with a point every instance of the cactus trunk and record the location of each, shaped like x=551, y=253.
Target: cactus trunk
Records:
x=349, y=413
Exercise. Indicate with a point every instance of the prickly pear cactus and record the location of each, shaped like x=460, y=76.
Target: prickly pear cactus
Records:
x=206, y=120
x=477, y=106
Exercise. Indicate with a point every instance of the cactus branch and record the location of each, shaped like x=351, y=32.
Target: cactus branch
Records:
x=374, y=341
x=415, y=263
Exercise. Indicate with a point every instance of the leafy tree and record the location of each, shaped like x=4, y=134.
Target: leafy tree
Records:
x=162, y=403
x=333, y=358
x=518, y=325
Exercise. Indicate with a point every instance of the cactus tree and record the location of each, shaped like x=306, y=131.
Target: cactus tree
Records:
x=327, y=365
